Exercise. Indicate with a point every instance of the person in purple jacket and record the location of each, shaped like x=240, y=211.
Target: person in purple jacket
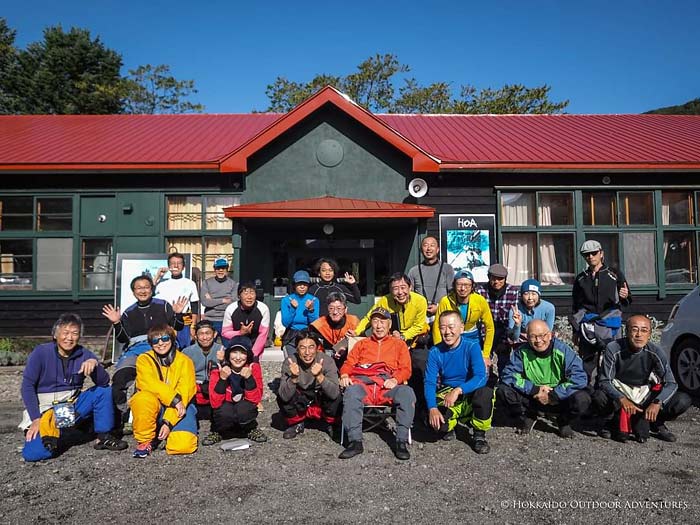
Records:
x=52, y=391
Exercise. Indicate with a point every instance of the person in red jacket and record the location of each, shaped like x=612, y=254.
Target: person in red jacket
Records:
x=374, y=374
x=235, y=389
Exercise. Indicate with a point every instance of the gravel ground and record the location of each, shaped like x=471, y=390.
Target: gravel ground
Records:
x=539, y=478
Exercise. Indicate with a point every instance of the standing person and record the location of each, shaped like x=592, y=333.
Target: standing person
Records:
x=474, y=310
x=308, y=387
x=326, y=270
x=529, y=308
x=637, y=392
x=333, y=327
x=433, y=277
x=170, y=290
x=502, y=297
x=217, y=293
x=163, y=406
x=131, y=329
x=54, y=400
x=299, y=309
x=455, y=384
x=544, y=374
x=248, y=317
x=374, y=373
x=599, y=294
x=235, y=391
x=206, y=354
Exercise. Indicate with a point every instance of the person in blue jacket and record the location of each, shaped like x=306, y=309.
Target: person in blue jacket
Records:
x=455, y=383
x=299, y=309
x=53, y=395
x=530, y=306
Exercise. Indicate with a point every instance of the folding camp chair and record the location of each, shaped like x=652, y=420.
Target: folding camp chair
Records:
x=373, y=417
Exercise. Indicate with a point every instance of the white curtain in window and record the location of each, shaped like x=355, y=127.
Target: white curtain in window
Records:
x=215, y=218
x=640, y=262
x=519, y=256
x=516, y=209
x=184, y=213
x=549, y=271
x=191, y=245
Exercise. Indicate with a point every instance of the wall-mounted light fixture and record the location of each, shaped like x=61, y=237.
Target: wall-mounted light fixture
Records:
x=328, y=228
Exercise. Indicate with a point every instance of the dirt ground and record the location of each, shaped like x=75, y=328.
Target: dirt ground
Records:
x=538, y=478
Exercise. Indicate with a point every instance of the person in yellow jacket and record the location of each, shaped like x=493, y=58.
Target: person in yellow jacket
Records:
x=408, y=310
x=473, y=308
x=162, y=407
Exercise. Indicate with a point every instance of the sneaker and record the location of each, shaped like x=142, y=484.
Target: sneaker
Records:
x=257, y=435
x=449, y=436
x=212, y=439
x=293, y=431
x=663, y=433
x=526, y=424
x=481, y=446
x=605, y=431
x=353, y=449
x=143, y=450
x=621, y=437
x=401, y=451
x=110, y=443
x=566, y=431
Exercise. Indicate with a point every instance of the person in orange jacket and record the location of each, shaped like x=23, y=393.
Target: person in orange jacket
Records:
x=374, y=374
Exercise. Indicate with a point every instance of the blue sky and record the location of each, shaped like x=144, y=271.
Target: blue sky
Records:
x=614, y=56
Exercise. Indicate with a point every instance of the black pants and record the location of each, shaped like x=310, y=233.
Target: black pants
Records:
x=590, y=355
x=231, y=417
x=519, y=404
x=303, y=399
x=609, y=408
x=121, y=381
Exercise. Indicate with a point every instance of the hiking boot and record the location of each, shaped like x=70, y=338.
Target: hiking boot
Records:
x=257, y=435
x=293, y=431
x=481, y=446
x=606, y=430
x=566, y=431
x=621, y=437
x=143, y=450
x=449, y=436
x=641, y=430
x=51, y=444
x=526, y=424
x=663, y=433
x=212, y=439
x=353, y=449
x=401, y=451
x=109, y=442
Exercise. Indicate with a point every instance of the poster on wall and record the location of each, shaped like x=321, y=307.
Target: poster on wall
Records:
x=468, y=242
x=130, y=265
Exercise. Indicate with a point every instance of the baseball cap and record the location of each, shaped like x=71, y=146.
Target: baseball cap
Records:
x=498, y=270
x=464, y=274
x=301, y=276
x=381, y=312
x=590, y=246
x=221, y=263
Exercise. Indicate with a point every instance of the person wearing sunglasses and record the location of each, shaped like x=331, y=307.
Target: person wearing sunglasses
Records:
x=163, y=408
x=599, y=294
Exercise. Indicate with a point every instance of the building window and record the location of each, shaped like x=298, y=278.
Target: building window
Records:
x=624, y=222
x=54, y=264
x=36, y=213
x=205, y=250
x=195, y=212
x=54, y=214
x=96, y=266
x=16, y=213
x=16, y=259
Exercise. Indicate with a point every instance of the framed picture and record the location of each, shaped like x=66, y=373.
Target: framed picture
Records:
x=468, y=242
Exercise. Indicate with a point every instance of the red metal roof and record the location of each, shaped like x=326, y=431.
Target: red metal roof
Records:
x=444, y=142
x=329, y=208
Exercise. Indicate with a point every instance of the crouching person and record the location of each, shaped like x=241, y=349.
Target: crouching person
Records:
x=463, y=396
x=374, y=374
x=235, y=390
x=637, y=391
x=309, y=386
x=52, y=393
x=163, y=408
x=544, y=375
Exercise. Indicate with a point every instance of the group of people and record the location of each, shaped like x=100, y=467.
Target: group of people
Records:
x=439, y=348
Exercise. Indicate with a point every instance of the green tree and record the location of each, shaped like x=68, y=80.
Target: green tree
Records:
x=9, y=70
x=692, y=107
x=151, y=89
x=372, y=86
x=70, y=73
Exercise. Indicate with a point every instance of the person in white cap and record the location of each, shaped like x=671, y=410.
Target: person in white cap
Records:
x=217, y=293
x=599, y=294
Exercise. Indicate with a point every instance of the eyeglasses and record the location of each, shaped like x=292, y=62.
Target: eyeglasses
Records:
x=635, y=330
x=164, y=338
x=591, y=254
x=336, y=309
x=541, y=337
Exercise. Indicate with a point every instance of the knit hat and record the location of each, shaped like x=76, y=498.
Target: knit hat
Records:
x=240, y=343
x=463, y=274
x=531, y=285
x=301, y=276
